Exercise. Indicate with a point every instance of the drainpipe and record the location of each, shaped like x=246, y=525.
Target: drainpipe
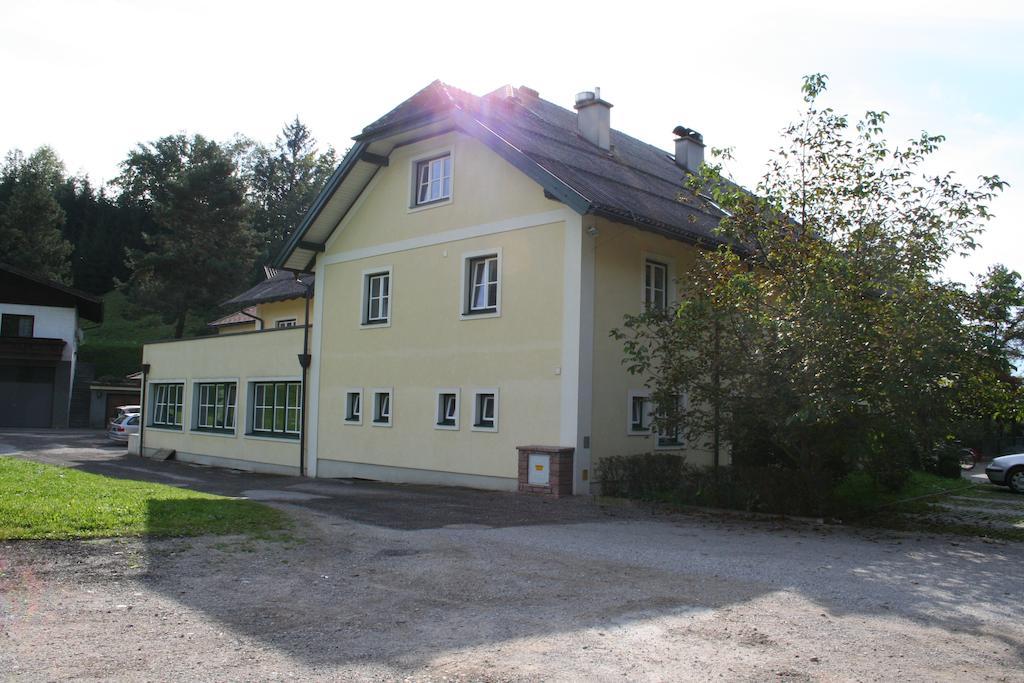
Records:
x=304, y=360
x=142, y=410
x=254, y=317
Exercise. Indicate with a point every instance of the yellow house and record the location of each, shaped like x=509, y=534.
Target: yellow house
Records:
x=471, y=255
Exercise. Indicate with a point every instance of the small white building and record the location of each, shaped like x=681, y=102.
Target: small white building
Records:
x=39, y=337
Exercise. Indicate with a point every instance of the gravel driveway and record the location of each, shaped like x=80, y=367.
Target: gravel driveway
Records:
x=387, y=582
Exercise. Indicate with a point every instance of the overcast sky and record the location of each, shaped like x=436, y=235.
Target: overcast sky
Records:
x=92, y=79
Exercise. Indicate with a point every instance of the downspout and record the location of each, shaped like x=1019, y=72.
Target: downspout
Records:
x=304, y=360
x=254, y=317
x=142, y=410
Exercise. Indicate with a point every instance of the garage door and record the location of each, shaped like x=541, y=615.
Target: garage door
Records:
x=26, y=396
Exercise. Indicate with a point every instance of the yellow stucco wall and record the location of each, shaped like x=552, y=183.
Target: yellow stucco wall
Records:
x=618, y=263
x=281, y=310
x=427, y=346
x=238, y=358
x=235, y=329
x=486, y=189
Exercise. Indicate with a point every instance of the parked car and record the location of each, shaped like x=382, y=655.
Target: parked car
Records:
x=121, y=412
x=123, y=426
x=1007, y=470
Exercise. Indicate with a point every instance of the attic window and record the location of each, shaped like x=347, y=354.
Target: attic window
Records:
x=434, y=179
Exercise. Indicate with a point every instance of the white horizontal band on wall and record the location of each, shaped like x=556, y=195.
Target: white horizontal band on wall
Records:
x=519, y=223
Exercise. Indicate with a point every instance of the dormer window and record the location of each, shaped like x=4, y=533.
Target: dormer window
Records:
x=433, y=179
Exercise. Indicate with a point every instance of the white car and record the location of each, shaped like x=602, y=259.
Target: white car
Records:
x=123, y=426
x=1007, y=470
x=121, y=412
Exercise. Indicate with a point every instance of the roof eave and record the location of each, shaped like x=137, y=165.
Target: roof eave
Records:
x=325, y=195
x=551, y=183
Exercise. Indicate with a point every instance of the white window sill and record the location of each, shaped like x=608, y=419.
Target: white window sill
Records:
x=223, y=435
x=447, y=428
x=353, y=423
x=374, y=326
x=374, y=423
x=431, y=205
x=479, y=316
x=274, y=439
x=492, y=430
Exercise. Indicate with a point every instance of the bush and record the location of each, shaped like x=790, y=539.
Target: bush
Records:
x=945, y=461
x=650, y=476
x=112, y=360
x=667, y=478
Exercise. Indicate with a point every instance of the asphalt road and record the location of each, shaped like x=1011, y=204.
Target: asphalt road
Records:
x=385, y=582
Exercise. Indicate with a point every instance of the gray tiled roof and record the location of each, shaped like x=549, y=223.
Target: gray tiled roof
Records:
x=280, y=287
x=635, y=181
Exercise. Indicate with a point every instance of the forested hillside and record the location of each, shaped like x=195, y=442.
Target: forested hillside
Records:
x=187, y=223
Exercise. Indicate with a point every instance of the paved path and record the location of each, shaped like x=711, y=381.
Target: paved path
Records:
x=395, y=506
x=378, y=585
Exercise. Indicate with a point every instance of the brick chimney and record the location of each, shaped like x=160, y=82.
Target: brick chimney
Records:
x=689, y=149
x=593, y=120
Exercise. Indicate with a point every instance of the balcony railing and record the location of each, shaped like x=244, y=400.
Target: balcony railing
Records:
x=36, y=350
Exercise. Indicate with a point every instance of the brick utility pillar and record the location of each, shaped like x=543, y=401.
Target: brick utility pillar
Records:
x=545, y=470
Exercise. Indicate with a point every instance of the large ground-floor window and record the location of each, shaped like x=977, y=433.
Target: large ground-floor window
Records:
x=215, y=406
x=277, y=408
x=167, y=405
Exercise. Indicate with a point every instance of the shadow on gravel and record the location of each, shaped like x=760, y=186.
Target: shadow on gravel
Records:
x=424, y=571
x=339, y=594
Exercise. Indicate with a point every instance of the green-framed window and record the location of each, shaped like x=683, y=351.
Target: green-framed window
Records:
x=167, y=405
x=277, y=408
x=215, y=406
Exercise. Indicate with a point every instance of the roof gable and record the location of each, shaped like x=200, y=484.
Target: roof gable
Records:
x=634, y=182
x=18, y=286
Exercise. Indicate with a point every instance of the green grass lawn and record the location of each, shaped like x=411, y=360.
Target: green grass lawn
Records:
x=932, y=504
x=45, y=502
x=859, y=493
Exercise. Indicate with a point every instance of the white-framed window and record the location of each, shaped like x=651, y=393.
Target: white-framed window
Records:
x=432, y=179
x=481, y=284
x=167, y=405
x=639, y=413
x=285, y=322
x=276, y=408
x=485, y=410
x=354, y=406
x=215, y=406
x=447, y=409
x=382, y=407
x=376, y=309
x=656, y=284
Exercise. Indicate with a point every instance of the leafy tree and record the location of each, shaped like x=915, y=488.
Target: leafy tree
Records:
x=997, y=316
x=200, y=248
x=284, y=181
x=30, y=217
x=823, y=337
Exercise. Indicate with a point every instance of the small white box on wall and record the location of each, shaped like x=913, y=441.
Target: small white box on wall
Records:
x=540, y=469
